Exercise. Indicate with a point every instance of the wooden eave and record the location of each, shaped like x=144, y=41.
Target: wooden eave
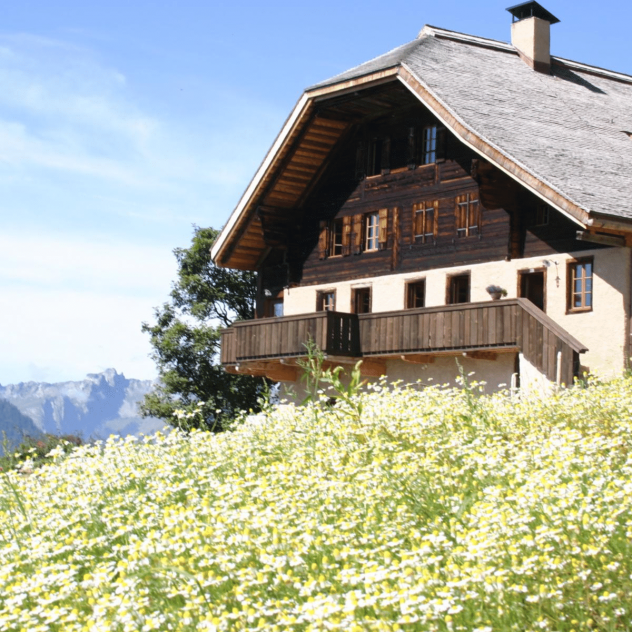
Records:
x=295, y=161
x=289, y=170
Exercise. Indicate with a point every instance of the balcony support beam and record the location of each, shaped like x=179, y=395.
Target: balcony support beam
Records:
x=418, y=358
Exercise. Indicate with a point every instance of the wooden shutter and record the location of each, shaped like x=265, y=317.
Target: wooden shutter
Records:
x=383, y=236
x=435, y=227
x=322, y=240
x=357, y=233
x=460, y=213
x=346, y=235
x=442, y=141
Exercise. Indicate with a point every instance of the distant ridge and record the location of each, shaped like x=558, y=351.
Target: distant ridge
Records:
x=100, y=405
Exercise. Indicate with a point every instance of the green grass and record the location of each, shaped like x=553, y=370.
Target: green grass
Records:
x=431, y=510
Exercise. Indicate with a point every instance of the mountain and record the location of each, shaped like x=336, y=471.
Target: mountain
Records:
x=102, y=404
x=14, y=427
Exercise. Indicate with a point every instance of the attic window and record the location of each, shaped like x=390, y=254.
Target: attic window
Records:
x=376, y=155
x=429, y=145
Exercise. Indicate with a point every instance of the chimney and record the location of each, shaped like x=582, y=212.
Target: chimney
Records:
x=531, y=34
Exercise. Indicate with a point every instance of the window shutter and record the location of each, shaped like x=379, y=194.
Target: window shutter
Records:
x=435, y=228
x=346, y=235
x=322, y=240
x=442, y=141
x=383, y=237
x=357, y=233
x=413, y=223
x=360, y=170
x=460, y=213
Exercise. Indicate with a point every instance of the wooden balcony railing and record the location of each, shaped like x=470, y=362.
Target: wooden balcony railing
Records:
x=336, y=333
x=512, y=324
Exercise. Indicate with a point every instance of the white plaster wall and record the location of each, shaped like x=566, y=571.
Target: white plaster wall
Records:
x=496, y=374
x=445, y=370
x=603, y=330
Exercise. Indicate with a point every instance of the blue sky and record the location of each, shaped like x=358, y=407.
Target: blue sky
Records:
x=122, y=124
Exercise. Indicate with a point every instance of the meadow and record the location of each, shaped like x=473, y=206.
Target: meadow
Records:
x=398, y=509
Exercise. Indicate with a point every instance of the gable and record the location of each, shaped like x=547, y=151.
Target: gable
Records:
x=560, y=136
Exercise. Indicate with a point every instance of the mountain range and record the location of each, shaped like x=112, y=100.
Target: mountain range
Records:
x=100, y=405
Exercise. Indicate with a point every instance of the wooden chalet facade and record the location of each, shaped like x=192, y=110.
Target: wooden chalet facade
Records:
x=398, y=192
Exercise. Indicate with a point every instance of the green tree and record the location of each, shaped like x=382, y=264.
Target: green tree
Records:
x=186, y=341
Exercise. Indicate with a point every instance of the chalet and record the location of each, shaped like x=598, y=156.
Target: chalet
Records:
x=456, y=197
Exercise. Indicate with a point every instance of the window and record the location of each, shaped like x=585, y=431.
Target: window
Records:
x=468, y=216
x=335, y=238
x=580, y=282
x=273, y=307
x=371, y=231
x=416, y=294
x=429, y=145
x=459, y=289
x=541, y=214
x=376, y=155
x=361, y=300
x=326, y=301
x=425, y=221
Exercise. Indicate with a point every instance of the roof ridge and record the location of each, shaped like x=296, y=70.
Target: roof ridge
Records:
x=334, y=79
x=475, y=39
x=597, y=70
x=428, y=29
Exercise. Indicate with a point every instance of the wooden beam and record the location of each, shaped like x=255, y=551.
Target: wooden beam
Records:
x=418, y=358
x=599, y=238
x=373, y=367
x=275, y=370
x=282, y=373
x=481, y=355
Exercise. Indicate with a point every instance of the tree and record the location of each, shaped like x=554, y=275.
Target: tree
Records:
x=186, y=339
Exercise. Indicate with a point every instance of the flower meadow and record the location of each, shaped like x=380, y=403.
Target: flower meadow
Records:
x=398, y=509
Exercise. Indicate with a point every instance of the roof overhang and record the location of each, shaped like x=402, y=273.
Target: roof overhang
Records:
x=241, y=245
x=302, y=129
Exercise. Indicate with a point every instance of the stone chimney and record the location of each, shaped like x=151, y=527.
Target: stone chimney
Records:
x=531, y=34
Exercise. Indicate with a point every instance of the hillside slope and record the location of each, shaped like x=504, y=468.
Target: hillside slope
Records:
x=397, y=510
x=14, y=427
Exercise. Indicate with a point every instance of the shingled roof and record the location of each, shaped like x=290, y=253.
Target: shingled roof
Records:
x=564, y=135
x=567, y=128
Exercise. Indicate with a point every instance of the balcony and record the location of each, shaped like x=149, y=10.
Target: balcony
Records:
x=480, y=330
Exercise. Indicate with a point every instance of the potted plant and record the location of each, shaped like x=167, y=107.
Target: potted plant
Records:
x=496, y=292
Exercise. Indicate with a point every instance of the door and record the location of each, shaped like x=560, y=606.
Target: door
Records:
x=531, y=285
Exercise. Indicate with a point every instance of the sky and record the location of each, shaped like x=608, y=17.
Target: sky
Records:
x=125, y=123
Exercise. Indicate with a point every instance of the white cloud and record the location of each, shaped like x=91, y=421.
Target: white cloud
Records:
x=64, y=335
x=58, y=262
x=79, y=153
x=74, y=306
